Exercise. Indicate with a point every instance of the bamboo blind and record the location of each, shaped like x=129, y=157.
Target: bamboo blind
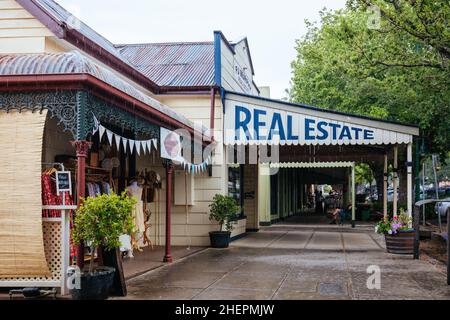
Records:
x=21, y=238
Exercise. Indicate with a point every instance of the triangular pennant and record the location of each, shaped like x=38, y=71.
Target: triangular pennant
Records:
x=102, y=130
x=125, y=143
x=96, y=124
x=132, y=142
x=138, y=147
x=149, y=145
x=109, y=134
x=155, y=143
x=144, y=146
x=117, y=139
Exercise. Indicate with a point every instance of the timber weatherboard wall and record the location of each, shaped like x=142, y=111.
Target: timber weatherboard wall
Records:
x=20, y=32
x=197, y=108
x=227, y=61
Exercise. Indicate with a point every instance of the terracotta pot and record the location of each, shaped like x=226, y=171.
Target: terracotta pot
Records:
x=400, y=243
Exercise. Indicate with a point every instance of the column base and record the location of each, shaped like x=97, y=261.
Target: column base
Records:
x=167, y=259
x=353, y=223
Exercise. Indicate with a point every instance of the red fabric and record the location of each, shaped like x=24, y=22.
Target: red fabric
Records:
x=49, y=197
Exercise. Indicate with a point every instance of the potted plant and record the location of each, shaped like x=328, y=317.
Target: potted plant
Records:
x=99, y=222
x=225, y=211
x=398, y=233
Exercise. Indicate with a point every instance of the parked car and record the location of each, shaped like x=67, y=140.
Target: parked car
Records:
x=443, y=208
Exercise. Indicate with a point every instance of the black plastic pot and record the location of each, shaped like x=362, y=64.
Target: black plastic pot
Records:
x=95, y=285
x=220, y=239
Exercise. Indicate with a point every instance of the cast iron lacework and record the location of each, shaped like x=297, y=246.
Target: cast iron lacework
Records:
x=107, y=112
x=60, y=104
x=75, y=110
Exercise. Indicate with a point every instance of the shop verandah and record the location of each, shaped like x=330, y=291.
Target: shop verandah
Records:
x=64, y=108
x=301, y=170
x=289, y=187
x=289, y=147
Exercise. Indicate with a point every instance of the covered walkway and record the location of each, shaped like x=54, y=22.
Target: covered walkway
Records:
x=294, y=262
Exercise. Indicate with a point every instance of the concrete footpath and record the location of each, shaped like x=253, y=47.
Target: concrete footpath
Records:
x=294, y=262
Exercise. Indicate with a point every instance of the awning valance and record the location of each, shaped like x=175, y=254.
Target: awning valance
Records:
x=259, y=121
x=311, y=165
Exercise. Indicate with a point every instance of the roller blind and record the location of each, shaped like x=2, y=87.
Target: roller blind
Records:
x=21, y=240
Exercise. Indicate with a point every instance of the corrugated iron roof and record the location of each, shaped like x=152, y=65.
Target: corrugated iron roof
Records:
x=182, y=64
x=74, y=62
x=64, y=16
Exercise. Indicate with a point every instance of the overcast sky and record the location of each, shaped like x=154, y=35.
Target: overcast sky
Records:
x=270, y=26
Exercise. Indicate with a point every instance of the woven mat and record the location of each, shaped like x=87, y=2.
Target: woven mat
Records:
x=21, y=240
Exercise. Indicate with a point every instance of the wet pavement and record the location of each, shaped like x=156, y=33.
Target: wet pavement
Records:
x=294, y=262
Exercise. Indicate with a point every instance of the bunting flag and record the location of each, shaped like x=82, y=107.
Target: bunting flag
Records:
x=109, y=134
x=102, y=130
x=131, y=142
x=125, y=144
x=138, y=147
x=195, y=168
x=146, y=145
x=117, y=140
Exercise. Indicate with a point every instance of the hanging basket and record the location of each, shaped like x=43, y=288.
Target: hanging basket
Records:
x=400, y=243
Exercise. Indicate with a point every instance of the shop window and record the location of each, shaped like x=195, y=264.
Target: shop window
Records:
x=274, y=194
x=235, y=185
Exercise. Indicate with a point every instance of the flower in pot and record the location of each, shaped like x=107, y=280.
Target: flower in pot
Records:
x=398, y=233
x=99, y=222
x=224, y=210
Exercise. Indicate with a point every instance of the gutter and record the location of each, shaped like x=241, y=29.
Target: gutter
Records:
x=212, y=113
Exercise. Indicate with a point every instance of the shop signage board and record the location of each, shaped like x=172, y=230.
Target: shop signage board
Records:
x=242, y=78
x=63, y=182
x=170, y=145
x=253, y=123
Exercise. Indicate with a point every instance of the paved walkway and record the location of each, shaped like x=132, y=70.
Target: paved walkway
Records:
x=294, y=262
x=150, y=259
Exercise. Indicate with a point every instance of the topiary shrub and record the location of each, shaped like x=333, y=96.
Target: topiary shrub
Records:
x=100, y=221
x=224, y=210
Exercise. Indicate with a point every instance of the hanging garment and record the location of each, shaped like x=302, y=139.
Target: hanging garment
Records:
x=138, y=211
x=98, y=189
x=107, y=188
x=48, y=196
x=91, y=190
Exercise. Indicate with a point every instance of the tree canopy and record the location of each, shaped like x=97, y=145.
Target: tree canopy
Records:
x=394, y=68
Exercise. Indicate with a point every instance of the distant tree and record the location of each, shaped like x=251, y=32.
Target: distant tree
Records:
x=397, y=71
